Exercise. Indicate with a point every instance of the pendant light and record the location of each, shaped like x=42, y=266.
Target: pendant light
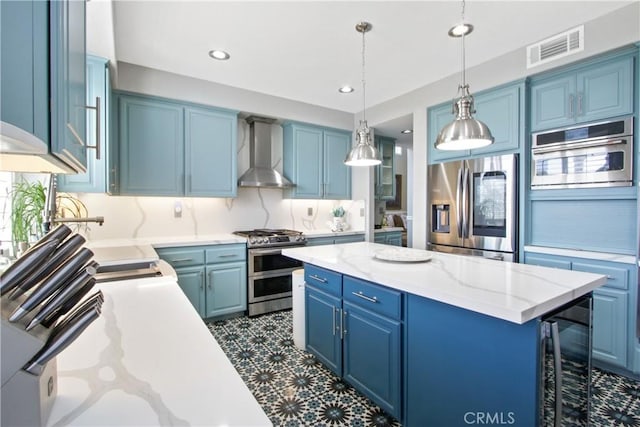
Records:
x=464, y=132
x=364, y=153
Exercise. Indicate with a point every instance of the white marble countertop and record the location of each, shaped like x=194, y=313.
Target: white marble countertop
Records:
x=509, y=291
x=329, y=233
x=150, y=360
x=602, y=256
x=169, y=241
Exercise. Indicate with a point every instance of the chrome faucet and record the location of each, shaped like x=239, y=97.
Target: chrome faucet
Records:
x=51, y=209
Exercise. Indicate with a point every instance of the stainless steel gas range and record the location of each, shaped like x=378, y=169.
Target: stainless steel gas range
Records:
x=268, y=271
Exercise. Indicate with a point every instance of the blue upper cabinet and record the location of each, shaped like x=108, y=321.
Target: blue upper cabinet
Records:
x=168, y=148
x=24, y=66
x=98, y=91
x=151, y=147
x=68, y=82
x=592, y=91
x=210, y=153
x=313, y=159
x=385, y=181
x=501, y=109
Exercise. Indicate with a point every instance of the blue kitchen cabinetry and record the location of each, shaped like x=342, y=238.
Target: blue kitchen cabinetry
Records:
x=613, y=306
x=214, y=278
x=168, y=148
x=354, y=327
x=68, y=82
x=313, y=159
x=385, y=179
x=24, y=66
x=100, y=172
x=501, y=109
x=393, y=238
x=591, y=90
x=331, y=240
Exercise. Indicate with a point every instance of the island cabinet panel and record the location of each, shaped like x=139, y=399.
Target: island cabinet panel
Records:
x=213, y=277
x=613, y=307
x=590, y=91
x=464, y=367
x=354, y=327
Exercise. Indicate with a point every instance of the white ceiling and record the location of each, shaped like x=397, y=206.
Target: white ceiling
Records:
x=306, y=50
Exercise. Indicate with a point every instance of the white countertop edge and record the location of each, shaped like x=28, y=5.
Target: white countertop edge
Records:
x=171, y=241
x=601, y=256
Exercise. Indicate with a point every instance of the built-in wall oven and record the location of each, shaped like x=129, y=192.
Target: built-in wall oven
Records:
x=591, y=155
x=474, y=207
x=269, y=281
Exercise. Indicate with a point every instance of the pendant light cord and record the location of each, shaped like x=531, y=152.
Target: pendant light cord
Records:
x=364, y=110
x=464, y=79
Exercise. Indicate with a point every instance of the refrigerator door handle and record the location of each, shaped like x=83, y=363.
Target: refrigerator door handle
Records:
x=458, y=202
x=557, y=372
x=465, y=204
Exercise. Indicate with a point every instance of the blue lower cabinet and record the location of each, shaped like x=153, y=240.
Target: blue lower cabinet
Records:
x=322, y=328
x=393, y=238
x=191, y=281
x=330, y=240
x=226, y=289
x=372, y=356
x=354, y=328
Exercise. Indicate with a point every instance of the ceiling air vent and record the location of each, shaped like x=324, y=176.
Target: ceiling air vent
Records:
x=556, y=47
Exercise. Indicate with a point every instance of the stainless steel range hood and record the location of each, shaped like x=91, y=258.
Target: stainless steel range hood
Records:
x=260, y=172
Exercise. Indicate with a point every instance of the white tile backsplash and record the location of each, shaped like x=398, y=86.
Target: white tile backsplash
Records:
x=132, y=217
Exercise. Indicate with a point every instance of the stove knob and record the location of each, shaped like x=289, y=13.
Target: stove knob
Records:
x=303, y=239
x=265, y=240
x=252, y=241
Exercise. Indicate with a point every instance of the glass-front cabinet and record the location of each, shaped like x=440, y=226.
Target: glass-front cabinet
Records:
x=385, y=173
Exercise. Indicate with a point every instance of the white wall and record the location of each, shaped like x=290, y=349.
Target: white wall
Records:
x=617, y=29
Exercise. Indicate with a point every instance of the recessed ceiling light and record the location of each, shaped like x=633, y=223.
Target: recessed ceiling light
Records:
x=346, y=89
x=407, y=131
x=219, y=54
x=460, y=30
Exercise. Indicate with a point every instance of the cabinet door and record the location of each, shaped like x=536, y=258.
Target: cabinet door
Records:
x=610, y=326
x=394, y=239
x=323, y=328
x=546, y=261
x=380, y=237
x=553, y=102
x=302, y=156
x=439, y=116
x=151, y=147
x=191, y=281
x=210, y=150
x=337, y=175
x=24, y=66
x=605, y=90
x=372, y=356
x=226, y=288
x=500, y=110
x=385, y=172
x=95, y=179
x=68, y=82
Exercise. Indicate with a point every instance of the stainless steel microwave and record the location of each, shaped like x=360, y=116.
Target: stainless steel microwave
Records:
x=591, y=155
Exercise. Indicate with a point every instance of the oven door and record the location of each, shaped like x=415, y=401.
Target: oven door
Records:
x=270, y=260
x=602, y=163
x=268, y=286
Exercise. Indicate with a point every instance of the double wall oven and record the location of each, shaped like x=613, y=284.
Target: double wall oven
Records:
x=268, y=271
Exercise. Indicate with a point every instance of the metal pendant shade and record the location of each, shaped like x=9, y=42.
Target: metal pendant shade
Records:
x=464, y=132
x=364, y=153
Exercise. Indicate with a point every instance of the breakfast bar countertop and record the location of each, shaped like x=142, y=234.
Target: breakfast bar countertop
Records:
x=509, y=291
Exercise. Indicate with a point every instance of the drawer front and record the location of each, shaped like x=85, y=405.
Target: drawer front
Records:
x=546, y=261
x=616, y=277
x=182, y=257
x=376, y=298
x=226, y=253
x=325, y=280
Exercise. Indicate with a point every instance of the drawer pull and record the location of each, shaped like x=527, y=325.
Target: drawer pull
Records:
x=319, y=279
x=182, y=259
x=333, y=327
x=228, y=256
x=363, y=296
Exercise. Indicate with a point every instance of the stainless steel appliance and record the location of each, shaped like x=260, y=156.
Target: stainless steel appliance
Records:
x=268, y=271
x=474, y=207
x=592, y=155
x=566, y=364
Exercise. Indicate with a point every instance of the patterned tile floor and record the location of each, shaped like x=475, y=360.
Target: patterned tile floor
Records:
x=294, y=389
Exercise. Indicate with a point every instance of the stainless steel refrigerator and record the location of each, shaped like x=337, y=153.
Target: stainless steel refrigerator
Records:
x=473, y=207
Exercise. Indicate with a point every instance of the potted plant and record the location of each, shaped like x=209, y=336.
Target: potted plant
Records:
x=338, y=215
x=27, y=213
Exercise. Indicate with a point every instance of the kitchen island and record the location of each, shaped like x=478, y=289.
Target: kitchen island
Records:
x=150, y=360
x=459, y=336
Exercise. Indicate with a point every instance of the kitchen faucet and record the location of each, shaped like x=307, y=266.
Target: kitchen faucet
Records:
x=51, y=209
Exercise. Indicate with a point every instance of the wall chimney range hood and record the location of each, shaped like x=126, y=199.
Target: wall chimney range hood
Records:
x=260, y=172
